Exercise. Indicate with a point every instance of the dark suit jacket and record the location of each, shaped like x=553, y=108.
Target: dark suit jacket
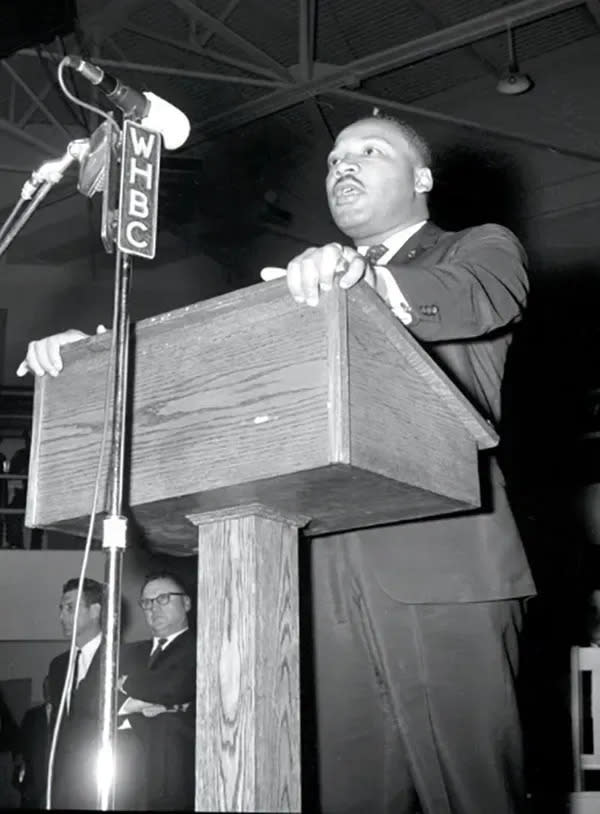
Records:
x=168, y=739
x=9, y=730
x=466, y=290
x=34, y=742
x=74, y=784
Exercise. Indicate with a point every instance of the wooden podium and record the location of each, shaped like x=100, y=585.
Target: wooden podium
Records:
x=252, y=417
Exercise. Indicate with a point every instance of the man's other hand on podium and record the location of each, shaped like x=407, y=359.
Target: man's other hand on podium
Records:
x=314, y=270
x=44, y=356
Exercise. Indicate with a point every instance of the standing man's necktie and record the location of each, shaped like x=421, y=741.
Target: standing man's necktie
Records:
x=159, y=647
x=74, y=681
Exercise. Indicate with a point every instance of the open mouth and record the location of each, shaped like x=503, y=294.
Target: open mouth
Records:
x=346, y=191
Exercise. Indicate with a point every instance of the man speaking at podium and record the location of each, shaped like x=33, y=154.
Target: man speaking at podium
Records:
x=416, y=625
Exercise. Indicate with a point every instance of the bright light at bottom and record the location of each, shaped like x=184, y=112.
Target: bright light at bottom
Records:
x=105, y=771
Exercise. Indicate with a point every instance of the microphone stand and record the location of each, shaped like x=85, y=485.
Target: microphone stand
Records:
x=114, y=535
x=114, y=531
x=37, y=188
x=115, y=212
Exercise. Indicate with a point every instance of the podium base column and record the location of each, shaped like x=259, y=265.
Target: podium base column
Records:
x=248, y=682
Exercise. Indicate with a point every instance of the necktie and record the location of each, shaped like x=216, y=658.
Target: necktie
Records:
x=74, y=681
x=375, y=253
x=160, y=644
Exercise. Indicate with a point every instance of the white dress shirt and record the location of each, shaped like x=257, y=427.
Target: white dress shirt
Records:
x=386, y=286
x=169, y=639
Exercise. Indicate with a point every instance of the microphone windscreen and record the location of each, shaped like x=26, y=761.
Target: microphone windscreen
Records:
x=173, y=125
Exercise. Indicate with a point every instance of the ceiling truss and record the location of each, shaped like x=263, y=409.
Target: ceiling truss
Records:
x=286, y=86
x=399, y=56
x=593, y=7
x=215, y=26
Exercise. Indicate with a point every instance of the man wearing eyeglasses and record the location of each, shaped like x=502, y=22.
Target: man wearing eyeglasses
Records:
x=157, y=695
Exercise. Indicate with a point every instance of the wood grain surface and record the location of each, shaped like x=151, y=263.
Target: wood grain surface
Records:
x=334, y=412
x=248, y=688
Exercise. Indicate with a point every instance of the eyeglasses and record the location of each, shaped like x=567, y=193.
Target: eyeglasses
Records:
x=161, y=599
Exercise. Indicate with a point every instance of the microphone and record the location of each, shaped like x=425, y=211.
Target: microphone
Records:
x=130, y=101
x=151, y=110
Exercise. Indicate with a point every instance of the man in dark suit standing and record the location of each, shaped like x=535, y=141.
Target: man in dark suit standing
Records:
x=416, y=625
x=74, y=783
x=158, y=693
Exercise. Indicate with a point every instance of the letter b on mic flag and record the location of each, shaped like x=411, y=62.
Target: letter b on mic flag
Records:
x=138, y=202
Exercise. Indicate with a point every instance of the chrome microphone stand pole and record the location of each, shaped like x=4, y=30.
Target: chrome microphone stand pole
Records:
x=128, y=232
x=114, y=538
x=114, y=529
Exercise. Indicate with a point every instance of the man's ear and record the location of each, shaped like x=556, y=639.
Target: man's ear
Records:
x=96, y=608
x=187, y=603
x=423, y=180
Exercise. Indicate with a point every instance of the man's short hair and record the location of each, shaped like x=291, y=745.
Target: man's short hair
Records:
x=416, y=140
x=152, y=577
x=93, y=591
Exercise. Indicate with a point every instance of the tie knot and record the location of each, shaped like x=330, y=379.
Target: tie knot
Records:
x=375, y=253
x=156, y=650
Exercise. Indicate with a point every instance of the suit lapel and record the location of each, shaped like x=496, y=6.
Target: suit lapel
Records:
x=88, y=686
x=172, y=647
x=158, y=655
x=421, y=241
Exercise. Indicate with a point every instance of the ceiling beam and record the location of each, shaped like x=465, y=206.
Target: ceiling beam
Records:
x=406, y=53
x=192, y=48
x=163, y=70
x=13, y=168
x=227, y=12
x=110, y=18
x=226, y=33
x=35, y=98
x=34, y=105
x=572, y=209
x=322, y=130
x=23, y=135
x=593, y=6
x=456, y=121
x=474, y=50
x=12, y=102
x=110, y=41
x=307, y=18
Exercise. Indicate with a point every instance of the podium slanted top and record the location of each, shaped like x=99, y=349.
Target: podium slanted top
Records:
x=335, y=413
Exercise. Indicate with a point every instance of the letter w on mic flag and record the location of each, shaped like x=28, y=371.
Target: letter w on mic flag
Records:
x=138, y=201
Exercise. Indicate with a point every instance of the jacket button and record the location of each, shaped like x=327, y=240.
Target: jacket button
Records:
x=411, y=254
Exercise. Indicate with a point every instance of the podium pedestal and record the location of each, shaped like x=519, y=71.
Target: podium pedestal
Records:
x=248, y=687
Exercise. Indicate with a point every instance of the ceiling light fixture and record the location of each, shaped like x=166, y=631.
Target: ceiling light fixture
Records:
x=512, y=81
